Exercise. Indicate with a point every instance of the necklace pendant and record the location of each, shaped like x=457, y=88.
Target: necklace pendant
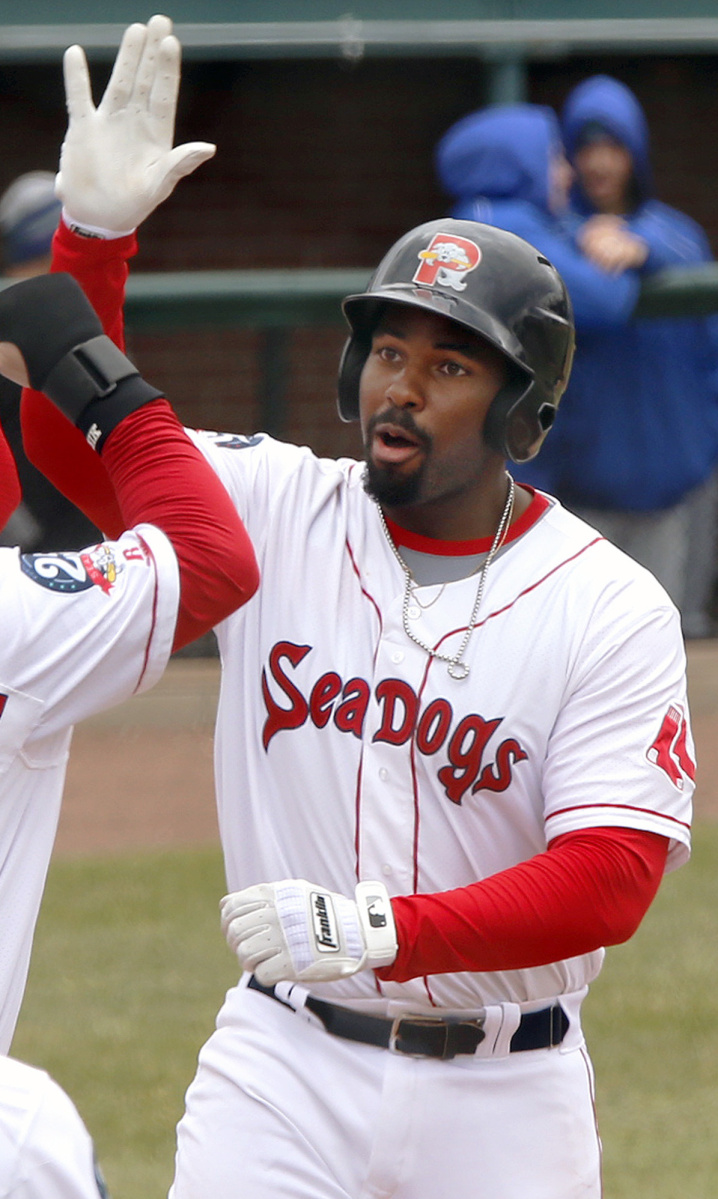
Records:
x=458, y=670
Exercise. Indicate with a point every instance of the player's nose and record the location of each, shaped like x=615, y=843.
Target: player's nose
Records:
x=406, y=389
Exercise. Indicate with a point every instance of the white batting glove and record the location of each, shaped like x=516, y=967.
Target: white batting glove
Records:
x=117, y=163
x=299, y=932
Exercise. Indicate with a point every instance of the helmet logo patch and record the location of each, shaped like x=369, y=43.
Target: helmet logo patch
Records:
x=446, y=261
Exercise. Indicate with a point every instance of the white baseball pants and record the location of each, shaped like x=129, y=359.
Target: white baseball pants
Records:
x=280, y=1109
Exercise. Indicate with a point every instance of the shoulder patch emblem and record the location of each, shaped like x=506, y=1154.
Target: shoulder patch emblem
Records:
x=669, y=751
x=234, y=441
x=72, y=572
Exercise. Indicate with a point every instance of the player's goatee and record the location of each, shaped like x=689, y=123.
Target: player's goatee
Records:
x=382, y=485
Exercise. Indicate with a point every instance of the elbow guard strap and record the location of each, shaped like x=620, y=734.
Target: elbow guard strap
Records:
x=96, y=386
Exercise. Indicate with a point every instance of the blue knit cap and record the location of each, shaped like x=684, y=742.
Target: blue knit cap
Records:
x=29, y=215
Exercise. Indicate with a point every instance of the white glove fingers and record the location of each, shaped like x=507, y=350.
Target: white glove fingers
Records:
x=235, y=906
x=163, y=85
x=124, y=73
x=78, y=92
x=161, y=55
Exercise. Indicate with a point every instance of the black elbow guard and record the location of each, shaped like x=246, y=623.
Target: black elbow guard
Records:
x=97, y=386
x=67, y=355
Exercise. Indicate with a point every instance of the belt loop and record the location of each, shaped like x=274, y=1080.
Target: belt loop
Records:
x=295, y=997
x=559, y=1024
x=500, y=1024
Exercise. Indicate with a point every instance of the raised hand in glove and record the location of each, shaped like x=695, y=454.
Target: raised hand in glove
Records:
x=117, y=162
x=296, y=931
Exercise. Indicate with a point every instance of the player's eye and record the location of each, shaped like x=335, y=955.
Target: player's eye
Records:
x=387, y=353
x=453, y=368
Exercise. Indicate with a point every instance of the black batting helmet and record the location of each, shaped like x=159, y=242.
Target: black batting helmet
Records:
x=495, y=284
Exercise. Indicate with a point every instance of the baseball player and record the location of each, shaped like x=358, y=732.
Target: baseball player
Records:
x=453, y=748
x=85, y=630
x=45, y=1149
x=82, y=631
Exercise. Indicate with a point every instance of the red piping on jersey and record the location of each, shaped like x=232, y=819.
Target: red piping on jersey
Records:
x=477, y=545
x=521, y=594
x=357, y=806
x=364, y=591
x=620, y=807
x=357, y=803
x=429, y=663
x=153, y=623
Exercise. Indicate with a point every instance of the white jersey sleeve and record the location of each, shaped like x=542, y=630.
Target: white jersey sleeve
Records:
x=85, y=630
x=80, y=632
x=46, y=1151
x=620, y=752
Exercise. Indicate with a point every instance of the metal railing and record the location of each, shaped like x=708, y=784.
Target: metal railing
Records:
x=354, y=39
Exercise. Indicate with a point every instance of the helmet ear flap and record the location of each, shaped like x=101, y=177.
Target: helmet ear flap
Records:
x=354, y=355
x=514, y=426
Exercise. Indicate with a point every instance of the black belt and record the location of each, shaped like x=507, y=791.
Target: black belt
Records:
x=428, y=1036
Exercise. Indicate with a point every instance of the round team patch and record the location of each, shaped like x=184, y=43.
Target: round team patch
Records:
x=96, y=567
x=57, y=572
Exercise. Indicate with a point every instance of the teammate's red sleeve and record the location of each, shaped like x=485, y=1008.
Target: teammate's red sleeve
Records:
x=161, y=478
x=589, y=889
x=51, y=442
x=149, y=470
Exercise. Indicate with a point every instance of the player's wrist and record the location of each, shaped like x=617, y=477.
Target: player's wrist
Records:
x=378, y=927
x=95, y=232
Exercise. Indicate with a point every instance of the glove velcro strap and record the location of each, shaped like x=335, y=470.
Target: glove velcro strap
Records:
x=97, y=386
x=377, y=924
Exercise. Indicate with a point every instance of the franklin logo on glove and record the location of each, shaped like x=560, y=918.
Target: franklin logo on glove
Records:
x=324, y=923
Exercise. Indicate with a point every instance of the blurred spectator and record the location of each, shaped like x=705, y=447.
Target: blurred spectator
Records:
x=637, y=435
x=656, y=495
x=45, y=520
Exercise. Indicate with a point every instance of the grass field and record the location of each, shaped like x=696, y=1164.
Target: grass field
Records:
x=129, y=970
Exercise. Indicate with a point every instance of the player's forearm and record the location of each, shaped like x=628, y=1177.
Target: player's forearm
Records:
x=588, y=890
x=51, y=441
x=101, y=268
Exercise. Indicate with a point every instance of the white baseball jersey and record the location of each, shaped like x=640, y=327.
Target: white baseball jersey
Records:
x=344, y=751
x=80, y=632
x=45, y=1149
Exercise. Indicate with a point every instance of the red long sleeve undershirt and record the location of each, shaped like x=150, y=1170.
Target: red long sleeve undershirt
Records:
x=161, y=478
x=52, y=443
x=590, y=888
x=149, y=471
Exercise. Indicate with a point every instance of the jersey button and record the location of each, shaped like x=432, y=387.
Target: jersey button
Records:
x=383, y=774
x=413, y=613
x=397, y=656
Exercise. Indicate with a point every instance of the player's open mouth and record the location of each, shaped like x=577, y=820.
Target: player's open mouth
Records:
x=392, y=444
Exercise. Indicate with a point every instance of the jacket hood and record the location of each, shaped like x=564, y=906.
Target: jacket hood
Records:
x=613, y=105
x=501, y=153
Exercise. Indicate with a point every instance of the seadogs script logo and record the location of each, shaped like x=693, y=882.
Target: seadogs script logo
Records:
x=446, y=261
x=464, y=742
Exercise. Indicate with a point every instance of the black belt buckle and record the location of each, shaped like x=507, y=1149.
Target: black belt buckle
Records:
x=434, y=1036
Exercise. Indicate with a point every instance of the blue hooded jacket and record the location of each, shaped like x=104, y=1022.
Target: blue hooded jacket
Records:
x=638, y=426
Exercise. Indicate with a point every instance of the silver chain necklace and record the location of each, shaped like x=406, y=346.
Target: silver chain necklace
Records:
x=456, y=668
